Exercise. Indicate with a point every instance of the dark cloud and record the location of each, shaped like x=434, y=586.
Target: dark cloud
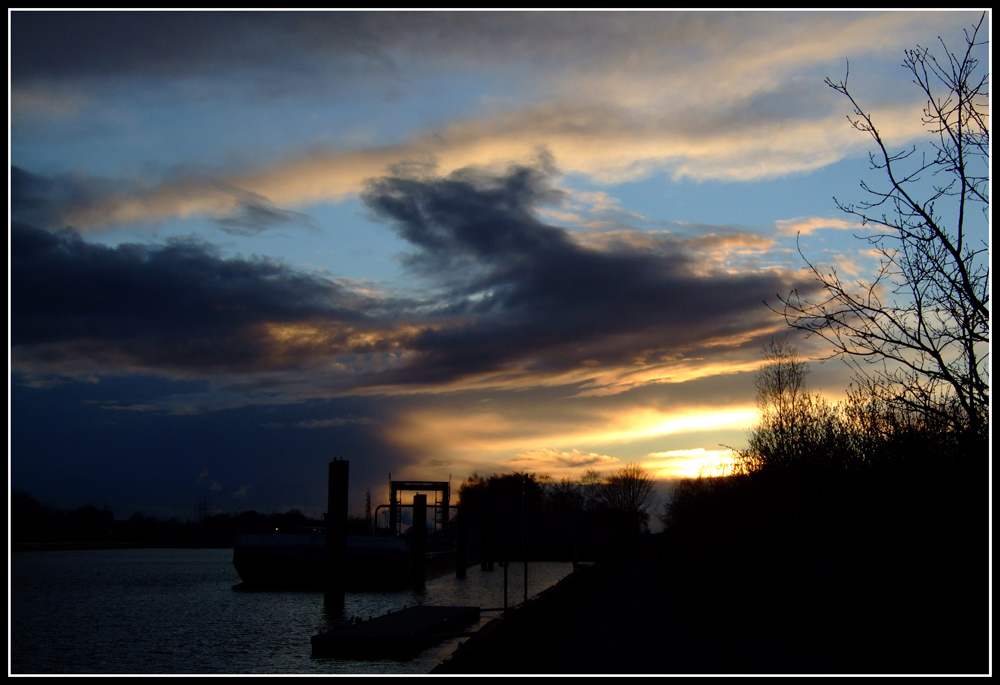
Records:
x=536, y=296
x=252, y=218
x=471, y=219
x=51, y=202
x=66, y=45
x=41, y=200
x=512, y=294
x=173, y=306
x=281, y=50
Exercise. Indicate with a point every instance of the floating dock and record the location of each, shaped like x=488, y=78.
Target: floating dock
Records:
x=398, y=635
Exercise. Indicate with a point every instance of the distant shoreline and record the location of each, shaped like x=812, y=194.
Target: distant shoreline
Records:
x=83, y=546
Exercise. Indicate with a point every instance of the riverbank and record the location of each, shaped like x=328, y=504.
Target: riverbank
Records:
x=632, y=616
x=75, y=546
x=619, y=617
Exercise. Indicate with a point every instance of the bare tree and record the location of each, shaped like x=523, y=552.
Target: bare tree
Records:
x=796, y=428
x=590, y=481
x=564, y=495
x=628, y=493
x=780, y=381
x=917, y=334
x=781, y=390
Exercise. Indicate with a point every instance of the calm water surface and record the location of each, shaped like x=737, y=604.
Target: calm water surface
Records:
x=176, y=611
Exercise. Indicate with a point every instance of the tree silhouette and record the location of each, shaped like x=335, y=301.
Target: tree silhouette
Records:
x=797, y=429
x=917, y=334
x=627, y=494
x=590, y=482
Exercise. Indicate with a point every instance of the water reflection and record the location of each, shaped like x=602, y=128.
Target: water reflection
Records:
x=175, y=611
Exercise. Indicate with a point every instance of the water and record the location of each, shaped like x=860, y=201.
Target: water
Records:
x=175, y=611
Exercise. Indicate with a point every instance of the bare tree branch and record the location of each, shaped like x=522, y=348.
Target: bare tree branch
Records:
x=917, y=334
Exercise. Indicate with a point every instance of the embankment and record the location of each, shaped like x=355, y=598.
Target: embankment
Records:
x=617, y=617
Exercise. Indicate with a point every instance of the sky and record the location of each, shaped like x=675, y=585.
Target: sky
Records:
x=434, y=244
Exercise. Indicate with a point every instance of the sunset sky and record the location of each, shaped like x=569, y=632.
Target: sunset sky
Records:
x=245, y=244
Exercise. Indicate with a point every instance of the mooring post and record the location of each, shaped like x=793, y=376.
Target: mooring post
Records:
x=506, y=564
x=491, y=545
x=524, y=548
x=445, y=503
x=418, y=541
x=462, y=546
x=485, y=542
x=336, y=533
x=393, y=509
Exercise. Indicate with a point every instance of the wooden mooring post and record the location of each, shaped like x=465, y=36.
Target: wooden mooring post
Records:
x=462, y=545
x=336, y=534
x=418, y=541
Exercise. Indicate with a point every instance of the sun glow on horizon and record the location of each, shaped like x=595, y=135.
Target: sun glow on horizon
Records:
x=651, y=424
x=690, y=463
x=495, y=439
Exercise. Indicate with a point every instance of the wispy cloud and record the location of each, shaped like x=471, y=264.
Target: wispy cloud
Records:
x=607, y=146
x=337, y=422
x=529, y=304
x=614, y=107
x=550, y=459
x=518, y=301
x=810, y=224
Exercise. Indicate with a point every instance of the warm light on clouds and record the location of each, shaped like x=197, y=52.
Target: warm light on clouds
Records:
x=643, y=423
x=476, y=438
x=557, y=463
x=809, y=224
x=846, y=265
x=437, y=241
x=604, y=382
x=608, y=147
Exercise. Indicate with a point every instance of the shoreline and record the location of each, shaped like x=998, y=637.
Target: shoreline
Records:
x=630, y=615
x=611, y=617
x=84, y=546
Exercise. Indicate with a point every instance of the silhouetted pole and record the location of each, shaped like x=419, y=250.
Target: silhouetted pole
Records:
x=524, y=548
x=336, y=533
x=575, y=523
x=417, y=541
x=462, y=548
x=393, y=513
x=506, y=564
x=484, y=541
x=494, y=549
x=445, y=503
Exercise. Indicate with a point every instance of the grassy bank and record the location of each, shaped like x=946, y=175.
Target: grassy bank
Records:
x=620, y=616
x=828, y=580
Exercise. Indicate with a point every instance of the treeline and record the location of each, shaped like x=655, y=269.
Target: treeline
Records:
x=514, y=514
x=38, y=526
x=521, y=514
x=860, y=528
